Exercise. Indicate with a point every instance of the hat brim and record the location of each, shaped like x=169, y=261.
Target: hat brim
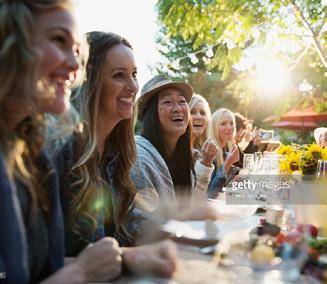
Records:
x=185, y=89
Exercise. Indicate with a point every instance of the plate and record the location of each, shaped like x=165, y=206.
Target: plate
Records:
x=191, y=232
x=205, y=233
x=231, y=211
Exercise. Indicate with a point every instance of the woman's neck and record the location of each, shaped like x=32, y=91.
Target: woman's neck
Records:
x=170, y=144
x=223, y=143
x=104, y=129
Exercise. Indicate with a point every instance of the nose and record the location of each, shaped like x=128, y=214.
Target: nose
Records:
x=133, y=85
x=73, y=61
x=176, y=107
x=196, y=115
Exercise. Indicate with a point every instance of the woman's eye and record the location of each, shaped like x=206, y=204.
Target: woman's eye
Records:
x=134, y=75
x=202, y=113
x=60, y=40
x=119, y=75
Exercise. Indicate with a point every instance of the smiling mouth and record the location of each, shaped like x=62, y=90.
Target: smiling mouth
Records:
x=127, y=100
x=177, y=119
x=197, y=125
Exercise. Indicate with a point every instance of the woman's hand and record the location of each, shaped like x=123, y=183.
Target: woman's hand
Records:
x=100, y=261
x=232, y=157
x=256, y=137
x=209, y=152
x=154, y=259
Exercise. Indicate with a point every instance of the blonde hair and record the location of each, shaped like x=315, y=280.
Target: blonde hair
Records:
x=199, y=141
x=320, y=132
x=19, y=66
x=121, y=140
x=214, y=133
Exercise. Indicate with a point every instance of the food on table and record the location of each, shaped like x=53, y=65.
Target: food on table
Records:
x=311, y=229
x=262, y=254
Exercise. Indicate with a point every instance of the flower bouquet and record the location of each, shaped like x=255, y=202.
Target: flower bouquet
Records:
x=301, y=158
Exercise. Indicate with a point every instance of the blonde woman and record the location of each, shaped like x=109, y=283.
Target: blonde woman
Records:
x=97, y=191
x=320, y=135
x=38, y=62
x=222, y=132
x=200, y=115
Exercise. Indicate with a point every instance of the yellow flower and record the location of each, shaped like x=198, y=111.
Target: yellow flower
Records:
x=284, y=166
x=314, y=151
x=285, y=150
x=294, y=161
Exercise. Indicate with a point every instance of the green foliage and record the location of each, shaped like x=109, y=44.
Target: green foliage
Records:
x=231, y=27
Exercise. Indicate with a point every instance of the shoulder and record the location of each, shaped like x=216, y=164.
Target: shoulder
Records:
x=147, y=151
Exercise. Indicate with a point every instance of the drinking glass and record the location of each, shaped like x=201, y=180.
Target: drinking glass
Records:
x=321, y=170
x=248, y=162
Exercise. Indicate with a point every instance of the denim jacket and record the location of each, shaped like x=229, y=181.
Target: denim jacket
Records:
x=13, y=238
x=74, y=242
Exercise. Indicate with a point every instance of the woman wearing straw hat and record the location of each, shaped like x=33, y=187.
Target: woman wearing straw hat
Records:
x=164, y=150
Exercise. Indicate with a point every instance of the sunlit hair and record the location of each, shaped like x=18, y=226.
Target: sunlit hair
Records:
x=121, y=140
x=19, y=64
x=199, y=141
x=180, y=163
x=214, y=125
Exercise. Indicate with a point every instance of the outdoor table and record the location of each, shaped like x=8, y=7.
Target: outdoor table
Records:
x=194, y=267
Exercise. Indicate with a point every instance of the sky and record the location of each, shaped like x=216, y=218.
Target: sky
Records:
x=133, y=19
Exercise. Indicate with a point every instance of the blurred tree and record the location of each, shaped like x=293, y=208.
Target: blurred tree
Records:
x=204, y=40
x=224, y=28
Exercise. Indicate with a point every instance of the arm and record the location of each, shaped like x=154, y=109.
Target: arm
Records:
x=100, y=261
x=158, y=259
x=203, y=170
x=154, y=191
x=218, y=181
x=203, y=175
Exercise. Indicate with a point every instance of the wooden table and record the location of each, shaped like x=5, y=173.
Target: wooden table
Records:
x=196, y=268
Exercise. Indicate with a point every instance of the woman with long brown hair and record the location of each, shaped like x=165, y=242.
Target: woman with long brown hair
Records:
x=38, y=63
x=97, y=190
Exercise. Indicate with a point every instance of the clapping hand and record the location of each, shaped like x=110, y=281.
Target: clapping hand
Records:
x=234, y=155
x=209, y=152
x=256, y=137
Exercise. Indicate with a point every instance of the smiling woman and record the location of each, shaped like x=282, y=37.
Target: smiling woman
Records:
x=164, y=161
x=201, y=114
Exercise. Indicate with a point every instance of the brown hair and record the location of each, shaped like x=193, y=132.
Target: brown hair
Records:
x=21, y=144
x=121, y=140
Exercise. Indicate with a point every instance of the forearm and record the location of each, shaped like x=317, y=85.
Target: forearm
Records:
x=70, y=273
x=203, y=174
x=217, y=183
x=227, y=165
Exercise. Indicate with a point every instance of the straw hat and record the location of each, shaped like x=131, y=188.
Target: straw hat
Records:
x=156, y=84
